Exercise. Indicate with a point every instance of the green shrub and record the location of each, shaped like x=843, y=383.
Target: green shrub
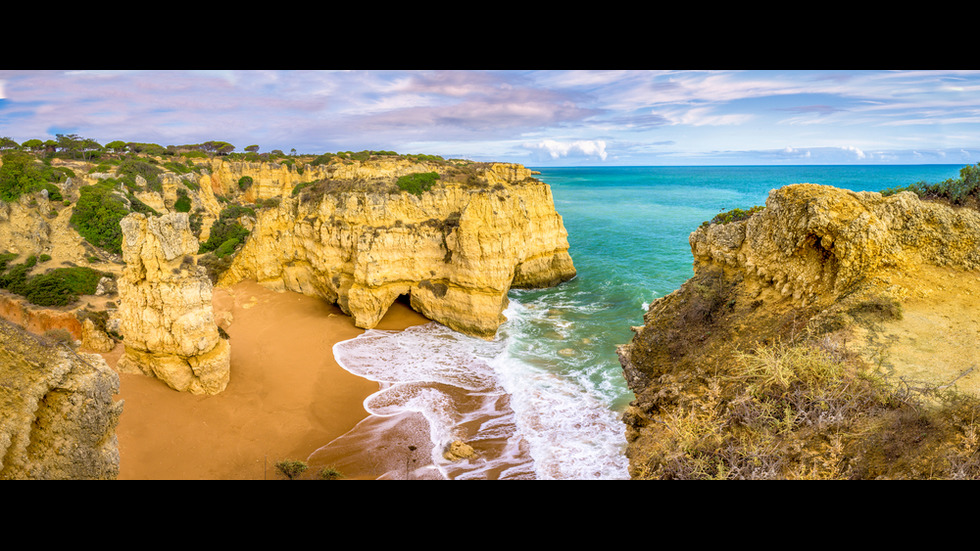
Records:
x=20, y=174
x=62, y=286
x=957, y=191
x=58, y=287
x=139, y=206
x=244, y=183
x=226, y=232
x=15, y=279
x=291, y=469
x=54, y=194
x=329, y=473
x=321, y=160
x=97, y=215
x=183, y=202
x=300, y=187
x=418, y=182
x=129, y=169
x=226, y=248
x=733, y=215
x=5, y=258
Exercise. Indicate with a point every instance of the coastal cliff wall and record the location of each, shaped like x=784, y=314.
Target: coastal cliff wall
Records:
x=822, y=300
x=57, y=414
x=455, y=249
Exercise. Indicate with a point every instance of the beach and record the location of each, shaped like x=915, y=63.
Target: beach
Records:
x=286, y=399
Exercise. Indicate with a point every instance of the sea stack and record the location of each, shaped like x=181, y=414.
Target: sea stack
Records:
x=165, y=309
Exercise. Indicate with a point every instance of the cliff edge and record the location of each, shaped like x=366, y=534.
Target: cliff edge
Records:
x=454, y=248
x=59, y=418
x=830, y=334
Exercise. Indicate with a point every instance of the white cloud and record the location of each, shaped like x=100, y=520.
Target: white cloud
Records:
x=556, y=149
x=857, y=152
x=797, y=152
x=703, y=116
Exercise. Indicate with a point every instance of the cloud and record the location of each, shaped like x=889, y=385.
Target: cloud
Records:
x=705, y=116
x=794, y=152
x=556, y=149
x=857, y=152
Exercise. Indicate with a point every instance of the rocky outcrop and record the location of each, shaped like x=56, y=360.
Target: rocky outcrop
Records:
x=33, y=225
x=454, y=250
x=814, y=242
x=165, y=311
x=57, y=415
x=869, y=282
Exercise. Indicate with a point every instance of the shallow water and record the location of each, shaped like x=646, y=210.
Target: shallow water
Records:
x=543, y=400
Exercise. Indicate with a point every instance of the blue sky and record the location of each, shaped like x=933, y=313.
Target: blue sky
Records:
x=537, y=118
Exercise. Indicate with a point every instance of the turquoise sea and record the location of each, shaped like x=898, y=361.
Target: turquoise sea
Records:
x=548, y=392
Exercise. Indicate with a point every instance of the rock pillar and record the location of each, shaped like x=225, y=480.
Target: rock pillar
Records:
x=165, y=312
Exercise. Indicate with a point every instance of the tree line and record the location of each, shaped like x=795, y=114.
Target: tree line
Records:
x=77, y=147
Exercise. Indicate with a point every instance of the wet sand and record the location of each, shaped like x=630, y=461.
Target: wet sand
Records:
x=286, y=399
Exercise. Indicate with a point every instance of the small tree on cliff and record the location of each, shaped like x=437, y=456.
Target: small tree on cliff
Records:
x=217, y=147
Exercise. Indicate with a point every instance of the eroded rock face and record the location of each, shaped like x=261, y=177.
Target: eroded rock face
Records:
x=57, y=416
x=813, y=242
x=455, y=250
x=165, y=311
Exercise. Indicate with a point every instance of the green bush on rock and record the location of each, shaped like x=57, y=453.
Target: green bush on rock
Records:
x=97, y=215
x=417, y=182
x=58, y=287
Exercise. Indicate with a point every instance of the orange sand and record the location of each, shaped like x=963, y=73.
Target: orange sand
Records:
x=287, y=396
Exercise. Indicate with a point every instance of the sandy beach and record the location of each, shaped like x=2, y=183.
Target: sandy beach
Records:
x=286, y=399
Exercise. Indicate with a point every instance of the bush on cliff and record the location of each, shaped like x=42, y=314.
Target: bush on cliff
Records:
x=183, y=202
x=964, y=190
x=58, y=287
x=226, y=232
x=97, y=215
x=21, y=173
x=129, y=169
x=417, y=182
x=733, y=215
x=62, y=286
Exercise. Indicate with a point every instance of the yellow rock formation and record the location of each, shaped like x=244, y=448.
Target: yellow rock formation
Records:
x=165, y=309
x=814, y=242
x=886, y=283
x=455, y=250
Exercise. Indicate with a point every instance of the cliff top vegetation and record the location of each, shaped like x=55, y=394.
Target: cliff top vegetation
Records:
x=97, y=185
x=962, y=191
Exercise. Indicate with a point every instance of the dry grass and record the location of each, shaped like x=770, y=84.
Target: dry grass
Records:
x=797, y=411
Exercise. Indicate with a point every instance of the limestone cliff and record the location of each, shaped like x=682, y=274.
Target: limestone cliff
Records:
x=864, y=286
x=165, y=311
x=358, y=240
x=57, y=415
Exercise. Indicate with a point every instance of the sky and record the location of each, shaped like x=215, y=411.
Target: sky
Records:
x=538, y=118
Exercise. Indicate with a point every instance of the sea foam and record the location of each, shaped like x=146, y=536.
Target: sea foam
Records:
x=526, y=418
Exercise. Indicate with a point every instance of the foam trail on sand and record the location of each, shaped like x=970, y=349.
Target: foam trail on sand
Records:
x=524, y=421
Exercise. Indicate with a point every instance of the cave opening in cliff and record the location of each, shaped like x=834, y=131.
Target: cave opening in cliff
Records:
x=405, y=298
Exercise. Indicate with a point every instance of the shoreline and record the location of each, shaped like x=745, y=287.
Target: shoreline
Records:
x=287, y=396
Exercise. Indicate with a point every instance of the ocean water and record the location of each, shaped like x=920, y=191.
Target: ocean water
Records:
x=544, y=399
